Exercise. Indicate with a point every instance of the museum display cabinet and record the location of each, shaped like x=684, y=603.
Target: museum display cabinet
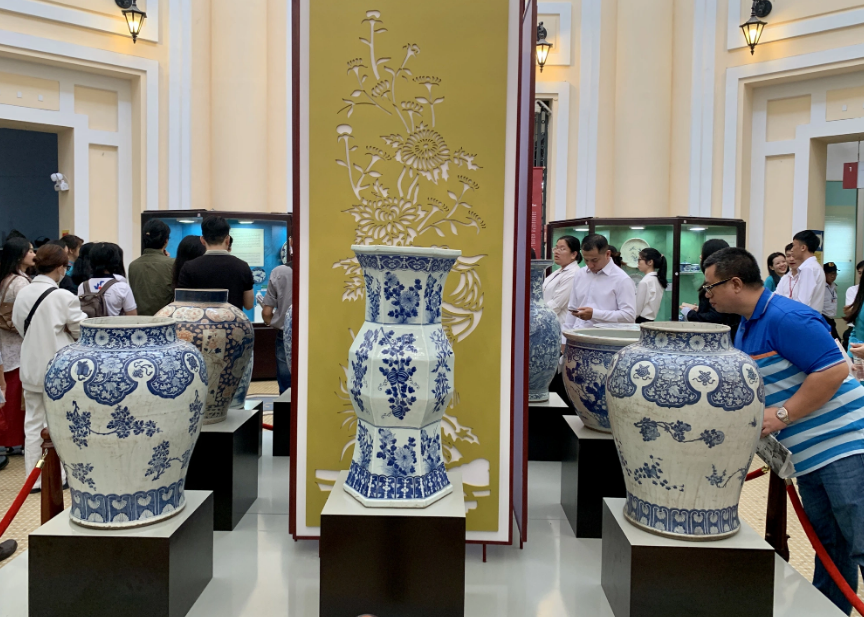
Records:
x=261, y=240
x=679, y=239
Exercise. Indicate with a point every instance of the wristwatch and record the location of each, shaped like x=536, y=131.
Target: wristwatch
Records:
x=783, y=416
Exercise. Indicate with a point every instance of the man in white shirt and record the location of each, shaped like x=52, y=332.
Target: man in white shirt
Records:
x=603, y=293
x=788, y=281
x=810, y=288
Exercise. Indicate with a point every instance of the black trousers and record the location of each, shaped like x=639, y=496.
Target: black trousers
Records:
x=833, y=325
x=643, y=320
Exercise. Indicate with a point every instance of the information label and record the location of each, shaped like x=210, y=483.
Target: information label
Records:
x=249, y=246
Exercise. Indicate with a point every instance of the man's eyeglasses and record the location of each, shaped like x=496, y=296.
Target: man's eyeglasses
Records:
x=710, y=288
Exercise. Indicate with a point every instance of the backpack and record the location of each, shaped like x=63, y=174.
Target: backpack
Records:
x=93, y=303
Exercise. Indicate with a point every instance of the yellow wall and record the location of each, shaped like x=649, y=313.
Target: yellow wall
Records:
x=785, y=115
x=100, y=107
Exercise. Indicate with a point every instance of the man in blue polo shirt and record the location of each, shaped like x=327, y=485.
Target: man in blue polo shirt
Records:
x=811, y=402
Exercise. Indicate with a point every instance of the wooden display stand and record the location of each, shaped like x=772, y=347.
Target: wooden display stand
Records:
x=547, y=432
x=225, y=461
x=648, y=575
x=282, y=424
x=590, y=471
x=393, y=562
x=157, y=569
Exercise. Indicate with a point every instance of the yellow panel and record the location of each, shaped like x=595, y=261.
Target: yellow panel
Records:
x=100, y=107
x=430, y=84
x=97, y=6
x=785, y=115
x=779, y=186
x=26, y=91
x=850, y=98
x=790, y=10
x=104, y=195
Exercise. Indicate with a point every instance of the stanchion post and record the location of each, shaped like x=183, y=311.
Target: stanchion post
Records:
x=775, y=517
x=52, y=481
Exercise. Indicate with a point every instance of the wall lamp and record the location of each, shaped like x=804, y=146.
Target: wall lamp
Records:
x=543, y=46
x=134, y=17
x=753, y=27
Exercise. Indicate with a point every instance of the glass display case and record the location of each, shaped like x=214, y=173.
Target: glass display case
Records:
x=679, y=239
x=261, y=240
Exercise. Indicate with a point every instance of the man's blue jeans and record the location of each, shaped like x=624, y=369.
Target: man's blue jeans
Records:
x=833, y=499
x=283, y=364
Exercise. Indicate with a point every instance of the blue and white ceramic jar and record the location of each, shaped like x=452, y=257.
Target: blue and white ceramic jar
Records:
x=223, y=334
x=686, y=410
x=587, y=358
x=124, y=407
x=544, y=337
x=401, y=378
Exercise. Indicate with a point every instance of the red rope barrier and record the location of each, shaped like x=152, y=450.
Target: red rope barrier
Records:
x=267, y=427
x=758, y=473
x=22, y=495
x=838, y=579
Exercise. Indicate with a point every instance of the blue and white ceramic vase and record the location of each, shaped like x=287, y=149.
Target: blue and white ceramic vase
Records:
x=400, y=378
x=223, y=334
x=124, y=408
x=242, y=390
x=587, y=357
x=544, y=337
x=686, y=410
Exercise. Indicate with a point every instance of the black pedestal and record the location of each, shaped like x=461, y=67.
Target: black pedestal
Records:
x=547, y=432
x=156, y=570
x=393, y=562
x=647, y=575
x=225, y=461
x=282, y=424
x=590, y=472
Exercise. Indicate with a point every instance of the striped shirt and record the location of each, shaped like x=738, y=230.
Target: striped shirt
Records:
x=789, y=341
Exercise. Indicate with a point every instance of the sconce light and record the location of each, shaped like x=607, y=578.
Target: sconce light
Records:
x=753, y=27
x=134, y=17
x=543, y=46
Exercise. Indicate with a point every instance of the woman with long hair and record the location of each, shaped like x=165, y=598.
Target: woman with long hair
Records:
x=18, y=257
x=106, y=270
x=776, y=269
x=82, y=270
x=704, y=312
x=649, y=292
x=855, y=316
x=189, y=248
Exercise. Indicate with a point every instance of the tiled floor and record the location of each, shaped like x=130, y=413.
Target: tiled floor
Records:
x=260, y=571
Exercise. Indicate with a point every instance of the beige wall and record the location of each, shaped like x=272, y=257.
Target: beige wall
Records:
x=104, y=193
x=779, y=184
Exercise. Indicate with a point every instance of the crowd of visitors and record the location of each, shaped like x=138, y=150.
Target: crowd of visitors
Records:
x=45, y=294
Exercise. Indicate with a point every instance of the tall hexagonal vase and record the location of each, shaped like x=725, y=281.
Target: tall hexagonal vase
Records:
x=401, y=378
x=544, y=336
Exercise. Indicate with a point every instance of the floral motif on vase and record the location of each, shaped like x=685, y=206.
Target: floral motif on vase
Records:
x=544, y=337
x=225, y=338
x=151, y=433
x=587, y=358
x=690, y=406
x=400, y=379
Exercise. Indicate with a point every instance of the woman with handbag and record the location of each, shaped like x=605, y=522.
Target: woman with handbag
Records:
x=18, y=256
x=49, y=318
